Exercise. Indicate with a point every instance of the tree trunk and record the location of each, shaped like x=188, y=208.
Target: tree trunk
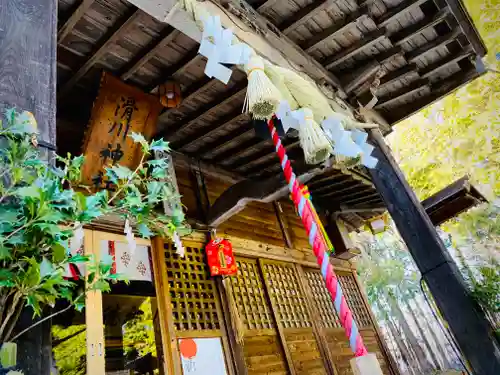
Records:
x=422, y=333
x=403, y=349
x=439, y=345
x=412, y=340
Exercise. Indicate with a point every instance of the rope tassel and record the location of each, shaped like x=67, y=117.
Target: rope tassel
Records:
x=319, y=243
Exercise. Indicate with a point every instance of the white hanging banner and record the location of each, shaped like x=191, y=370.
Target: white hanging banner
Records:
x=132, y=266
x=201, y=356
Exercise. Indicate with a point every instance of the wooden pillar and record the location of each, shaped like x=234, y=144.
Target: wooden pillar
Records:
x=28, y=82
x=466, y=320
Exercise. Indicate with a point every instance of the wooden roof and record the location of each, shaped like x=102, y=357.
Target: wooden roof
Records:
x=423, y=46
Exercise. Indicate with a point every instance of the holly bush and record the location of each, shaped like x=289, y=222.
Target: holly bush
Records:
x=43, y=207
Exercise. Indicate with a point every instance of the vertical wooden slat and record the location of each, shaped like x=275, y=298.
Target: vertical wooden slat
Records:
x=315, y=319
x=169, y=342
x=234, y=346
x=277, y=319
x=94, y=314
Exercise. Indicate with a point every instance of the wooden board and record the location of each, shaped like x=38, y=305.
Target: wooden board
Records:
x=118, y=111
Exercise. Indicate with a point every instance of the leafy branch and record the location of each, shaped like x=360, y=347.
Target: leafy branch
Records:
x=39, y=201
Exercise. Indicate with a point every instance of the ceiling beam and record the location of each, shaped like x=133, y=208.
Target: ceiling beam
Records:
x=331, y=186
x=345, y=54
x=360, y=77
x=398, y=11
x=334, y=30
x=338, y=174
x=192, y=139
x=265, y=161
x=101, y=49
x=412, y=88
x=234, y=138
x=71, y=22
x=358, y=188
x=209, y=107
x=397, y=75
x=433, y=45
x=266, y=5
x=446, y=62
x=408, y=33
x=175, y=68
x=148, y=52
x=304, y=15
x=248, y=148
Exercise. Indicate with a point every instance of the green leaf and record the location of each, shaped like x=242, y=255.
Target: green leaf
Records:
x=80, y=304
x=137, y=137
x=50, y=216
x=119, y=172
x=32, y=301
x=58, y=252
x=159, y=145
x=144, y=231
x=7, y=283
x=4, y=252
x=31, y=191
x=32, y=276
x=158, y=163
x=102, y=285
x=154, y=190
x=79, y=259
x=8, y=215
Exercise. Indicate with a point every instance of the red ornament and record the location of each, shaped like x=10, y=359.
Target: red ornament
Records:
x=188, y=348
x=220, y=257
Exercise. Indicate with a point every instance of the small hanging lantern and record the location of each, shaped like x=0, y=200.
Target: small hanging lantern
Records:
x=220, y=257
x=170, y=94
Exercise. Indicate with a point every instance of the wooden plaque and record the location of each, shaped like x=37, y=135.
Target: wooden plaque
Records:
x=118, y=111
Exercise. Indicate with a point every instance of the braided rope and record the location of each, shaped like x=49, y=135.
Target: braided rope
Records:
x=319, y=243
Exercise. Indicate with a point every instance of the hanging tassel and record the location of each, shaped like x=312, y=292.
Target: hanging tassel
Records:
x=262, y=97
x=315, y=144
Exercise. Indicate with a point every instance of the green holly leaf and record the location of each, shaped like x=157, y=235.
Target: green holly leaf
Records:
x=154, y=190
x=144, y=230
x=58, y=253
x=79, y=259
x=8, y=215
x=80, y=304
x=159, y=145
x=102, y=285
x=118, y=172
x=32, y=301
x=138, y=137
x=31, y=191
x=4, y=253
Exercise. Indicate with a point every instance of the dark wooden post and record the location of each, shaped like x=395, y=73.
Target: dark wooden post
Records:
x=466, y=320
x=28, y=82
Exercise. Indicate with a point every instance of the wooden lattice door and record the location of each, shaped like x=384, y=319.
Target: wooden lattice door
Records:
x=329, y=322
x=293, y=317
x=261, y=343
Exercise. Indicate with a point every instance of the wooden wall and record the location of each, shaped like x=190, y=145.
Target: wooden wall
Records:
x=287, y=320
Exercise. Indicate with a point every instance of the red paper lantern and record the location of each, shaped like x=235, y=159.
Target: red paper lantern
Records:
x=220, y=257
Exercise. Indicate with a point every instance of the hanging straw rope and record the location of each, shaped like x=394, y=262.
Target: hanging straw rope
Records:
x=305, y=93
x=278, y=81
x=262, y=97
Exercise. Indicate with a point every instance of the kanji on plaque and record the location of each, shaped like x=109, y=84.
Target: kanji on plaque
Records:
x=220, y=257
x=118, y=111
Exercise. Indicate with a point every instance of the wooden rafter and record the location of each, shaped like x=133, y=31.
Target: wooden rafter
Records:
x=415, y=86
x=234, y=138
x=361, y=76
x=357, y=198
x=334, y=30
x=433, y=45
x=358, y=188
x=176, y=69
x=228, y=97
x=229, y=156
x=148, y=52
x=327, y=179
x=266, y=5
x=408, y=33
x=397, y=75
x=335, y=185
x=102, y=48
x=71, y=22
x=446, y=62
x=305, y=14
x=366, y=42
x=266, y=161
x=398, y=11
x=234, y=116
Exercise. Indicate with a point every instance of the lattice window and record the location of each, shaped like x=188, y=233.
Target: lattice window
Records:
x=248, y=292
x=286, y=294
x=355, y=300
x=322, y=299
x=192, y=291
